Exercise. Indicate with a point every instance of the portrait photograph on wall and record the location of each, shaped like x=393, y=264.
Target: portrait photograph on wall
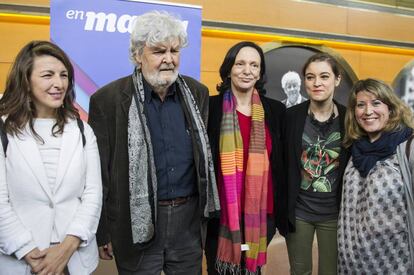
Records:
x=284, y=73
x=403, y=84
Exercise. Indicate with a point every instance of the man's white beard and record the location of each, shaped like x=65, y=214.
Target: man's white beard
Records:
x=158, y=82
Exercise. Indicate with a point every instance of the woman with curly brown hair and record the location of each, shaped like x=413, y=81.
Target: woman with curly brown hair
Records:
x=376, y=221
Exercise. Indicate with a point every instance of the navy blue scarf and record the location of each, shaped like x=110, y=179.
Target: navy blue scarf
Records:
x=365, y=154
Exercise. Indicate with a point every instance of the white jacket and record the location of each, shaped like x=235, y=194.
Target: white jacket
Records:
x=29, y=209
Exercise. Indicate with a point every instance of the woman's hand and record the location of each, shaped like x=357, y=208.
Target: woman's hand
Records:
x=57, y=257
x=34, y=257
x=106, y=252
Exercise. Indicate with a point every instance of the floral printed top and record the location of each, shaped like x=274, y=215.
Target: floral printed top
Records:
x=321, y=146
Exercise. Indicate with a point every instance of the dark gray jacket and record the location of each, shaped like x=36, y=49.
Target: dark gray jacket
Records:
x=108, y=117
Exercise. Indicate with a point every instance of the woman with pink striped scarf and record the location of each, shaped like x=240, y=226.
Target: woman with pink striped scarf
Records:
x=245, y=132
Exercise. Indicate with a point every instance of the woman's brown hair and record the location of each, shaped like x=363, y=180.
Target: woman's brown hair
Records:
x=16, y=104
x=400, y=114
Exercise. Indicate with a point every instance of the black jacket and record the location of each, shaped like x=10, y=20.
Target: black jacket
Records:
x=108, y=117
x=295, y=124
x=274, y=117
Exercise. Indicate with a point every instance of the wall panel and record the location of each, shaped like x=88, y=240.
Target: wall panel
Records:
x=44, y=3
x=311, y=16
x=386, y=26
x=383, y=66
x=213, y=51
x=263, y=12
x=4, y=71
x=15, y=36
x=281, y=14
x=353, y=58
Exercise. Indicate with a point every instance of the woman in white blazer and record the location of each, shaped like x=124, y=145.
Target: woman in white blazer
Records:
x=50, y=179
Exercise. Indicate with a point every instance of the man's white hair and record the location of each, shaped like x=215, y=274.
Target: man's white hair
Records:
x=289, y=77
x=155, y=27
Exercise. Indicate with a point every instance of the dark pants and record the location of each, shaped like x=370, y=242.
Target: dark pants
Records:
x=299, y=245
x=212, y=243
x=177, y=245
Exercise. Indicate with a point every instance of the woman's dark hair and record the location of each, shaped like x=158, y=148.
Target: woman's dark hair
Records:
x=228, y=62
x=320, y=57
x=17, y=104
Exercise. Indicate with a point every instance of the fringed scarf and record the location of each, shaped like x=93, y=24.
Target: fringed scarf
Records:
x=255, y=186
x=142, y=170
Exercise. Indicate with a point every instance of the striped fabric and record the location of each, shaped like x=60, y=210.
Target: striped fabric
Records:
x=255, y=190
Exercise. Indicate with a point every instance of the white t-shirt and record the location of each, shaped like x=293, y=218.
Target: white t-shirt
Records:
x=49, y=152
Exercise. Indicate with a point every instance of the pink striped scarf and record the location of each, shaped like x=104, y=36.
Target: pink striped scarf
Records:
x=256, y=182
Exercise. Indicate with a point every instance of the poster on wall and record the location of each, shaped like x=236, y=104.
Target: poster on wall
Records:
x=284, y=74
x=403, y=84
x=95, y=34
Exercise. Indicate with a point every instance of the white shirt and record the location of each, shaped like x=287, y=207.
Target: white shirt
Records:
x=49, y=151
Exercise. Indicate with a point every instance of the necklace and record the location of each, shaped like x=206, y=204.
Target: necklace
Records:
x=326, y=122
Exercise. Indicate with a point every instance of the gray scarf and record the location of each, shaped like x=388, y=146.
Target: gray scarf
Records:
x=142, y=170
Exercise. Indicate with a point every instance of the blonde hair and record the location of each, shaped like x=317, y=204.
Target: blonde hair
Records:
x=400, y=114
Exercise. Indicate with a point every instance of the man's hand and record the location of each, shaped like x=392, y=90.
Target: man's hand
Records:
x=105, y=252
x=34, y=257
x=57, y=257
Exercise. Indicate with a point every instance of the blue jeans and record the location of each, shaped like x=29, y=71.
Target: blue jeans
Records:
x=177, y=245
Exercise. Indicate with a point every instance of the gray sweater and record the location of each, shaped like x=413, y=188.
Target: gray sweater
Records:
x=407, y=171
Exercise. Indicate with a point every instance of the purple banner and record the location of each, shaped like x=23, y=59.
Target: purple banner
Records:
x=95, y=35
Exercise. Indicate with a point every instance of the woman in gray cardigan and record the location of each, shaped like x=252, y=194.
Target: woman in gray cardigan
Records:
x=375, y=226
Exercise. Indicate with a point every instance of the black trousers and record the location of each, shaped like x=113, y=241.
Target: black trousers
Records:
x=177, y=245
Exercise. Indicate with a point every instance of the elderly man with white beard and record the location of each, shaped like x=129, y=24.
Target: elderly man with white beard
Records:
x=157, y=171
